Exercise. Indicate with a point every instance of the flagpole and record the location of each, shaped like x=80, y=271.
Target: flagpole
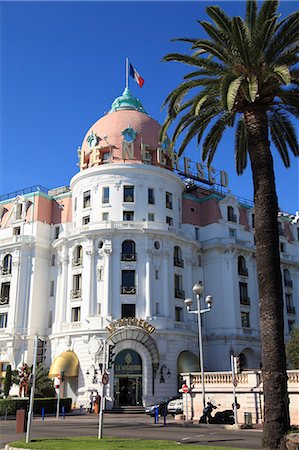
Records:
x=127, y=72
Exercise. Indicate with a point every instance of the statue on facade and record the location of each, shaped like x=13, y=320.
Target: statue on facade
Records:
x=23, y=373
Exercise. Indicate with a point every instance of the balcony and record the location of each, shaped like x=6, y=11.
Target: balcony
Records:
x=128, y=257
x=178, y=262
x=76, y=293
x=77, y=262
x=128, y=290
x=291, y=309
x=179, y=293
x=245, y=301
x=4, y=300
x=243, y=271
x=288, y=283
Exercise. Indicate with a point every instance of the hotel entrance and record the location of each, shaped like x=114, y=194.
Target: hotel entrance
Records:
x=128, y=379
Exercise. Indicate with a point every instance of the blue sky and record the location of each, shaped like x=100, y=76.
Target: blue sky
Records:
x=62, y=65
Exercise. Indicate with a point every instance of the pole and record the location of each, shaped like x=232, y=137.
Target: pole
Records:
x=58, y=398
x=101, y=412
x=127, y=73
x=30, y=413
x=234, y=388
x=201, y=352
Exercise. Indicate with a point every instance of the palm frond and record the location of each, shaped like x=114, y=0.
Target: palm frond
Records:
x=251, y=10
x=214, y=136
x=286, y=34
x=253, y=87
x=279, y=142
x=287, y=131
x=220, y=18
x=232, y=92
x=242, y=40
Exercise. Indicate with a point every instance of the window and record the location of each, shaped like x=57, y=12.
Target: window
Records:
x=56, y=232
x=232, y=233
x=128, y=216
x=128, y=194
x=245, y=319
x=19, y=211
x=157, y=309
x=168, y=199
x=192, y=209
x=289, y=304
x=53, y=260
x=16, y=231
x=151, y=217
x=157, y=274
x=178, y=314
x=105, y=216
x=6, y=268
x=100, y=274
x=243, y=289
x=196, y=234
x=85, y=220
x=5, y=291
x=128, y=310
x=157, y=245
x=77, y=286
x=291, y=324
x=106, y=157
x=128, y=282
x=151, y=196
x=287, y=278
x=52, y=288
x=99, y=309
x=178, y=286
x=76, y=314
x=105, y=195
x=86, y=199
x=177, y=257
x=3, y=320
x=169, y=221
x=128, y=252
x=242, y=270
x=78, y=256
x=282, y=247
x=231, y=217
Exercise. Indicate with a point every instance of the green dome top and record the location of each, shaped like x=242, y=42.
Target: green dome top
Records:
x=127, y=101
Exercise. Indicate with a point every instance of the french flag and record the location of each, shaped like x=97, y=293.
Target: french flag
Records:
x=134, y=74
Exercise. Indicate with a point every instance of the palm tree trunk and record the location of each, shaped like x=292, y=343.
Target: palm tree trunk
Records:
x=276, y=413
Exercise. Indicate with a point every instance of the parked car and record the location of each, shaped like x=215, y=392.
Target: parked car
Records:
x=162, y=405
x=175, y=407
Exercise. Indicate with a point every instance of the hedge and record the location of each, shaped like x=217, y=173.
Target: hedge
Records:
x=9, y=406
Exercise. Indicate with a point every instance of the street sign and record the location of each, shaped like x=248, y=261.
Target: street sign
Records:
x=105, y=378
x=185, y=388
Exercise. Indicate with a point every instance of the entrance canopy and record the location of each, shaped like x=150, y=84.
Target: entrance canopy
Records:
x=66, y=362
x=187, y=362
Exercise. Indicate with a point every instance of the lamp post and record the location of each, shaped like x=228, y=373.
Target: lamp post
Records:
x=198, y=290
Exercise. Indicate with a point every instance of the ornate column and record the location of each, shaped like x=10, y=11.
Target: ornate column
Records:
x=148, y=299
x=62, y=295
x=165, y=281
x=91, y=279
x=107, y=304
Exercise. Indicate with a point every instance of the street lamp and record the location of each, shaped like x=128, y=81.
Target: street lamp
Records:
x=198, y=290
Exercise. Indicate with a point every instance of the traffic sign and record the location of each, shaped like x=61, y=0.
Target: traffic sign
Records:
x=105, y=378
x=185, y=388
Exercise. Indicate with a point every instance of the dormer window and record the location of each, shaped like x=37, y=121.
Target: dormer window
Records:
x=86, y=199
x=19, y=211
x=231, y=216
x=168, y=199
x=106, y=157
x=129, y=194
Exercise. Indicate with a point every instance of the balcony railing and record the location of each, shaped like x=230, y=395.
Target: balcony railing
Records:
x=77, y=262
x=6, y=271
x=130, y=290
x=178, y=262
x=76, y=293
x=245, y=301
x=243, y=271
x=128, y=257
x=179, y=293
x=291, y=309
x=288, y=283
x=4, y=300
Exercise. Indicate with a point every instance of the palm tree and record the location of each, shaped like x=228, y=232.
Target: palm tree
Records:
x=245, y=77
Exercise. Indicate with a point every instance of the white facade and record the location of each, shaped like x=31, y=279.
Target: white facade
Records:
x=129, y=240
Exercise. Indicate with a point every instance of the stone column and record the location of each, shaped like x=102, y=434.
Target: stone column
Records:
x=148, y=282
x=91, y=280
x=62, y=296
x=107, y=304
x=165, y=281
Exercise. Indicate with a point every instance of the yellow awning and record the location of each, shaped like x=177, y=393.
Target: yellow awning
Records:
x=187, y=362
x=67, y=362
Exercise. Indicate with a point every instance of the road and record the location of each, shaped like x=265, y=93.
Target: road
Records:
x=135, y=426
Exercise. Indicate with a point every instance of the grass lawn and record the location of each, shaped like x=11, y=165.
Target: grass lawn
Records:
x=91, y=443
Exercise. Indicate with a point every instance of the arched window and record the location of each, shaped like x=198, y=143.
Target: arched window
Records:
x=242, y=270
x=231, y=216
x=287, y=278
x=78, y=256
x=177, y=257
x=128, y=251
x=6, y=268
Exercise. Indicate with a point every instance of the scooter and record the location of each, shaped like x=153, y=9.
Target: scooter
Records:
x=221, y=417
